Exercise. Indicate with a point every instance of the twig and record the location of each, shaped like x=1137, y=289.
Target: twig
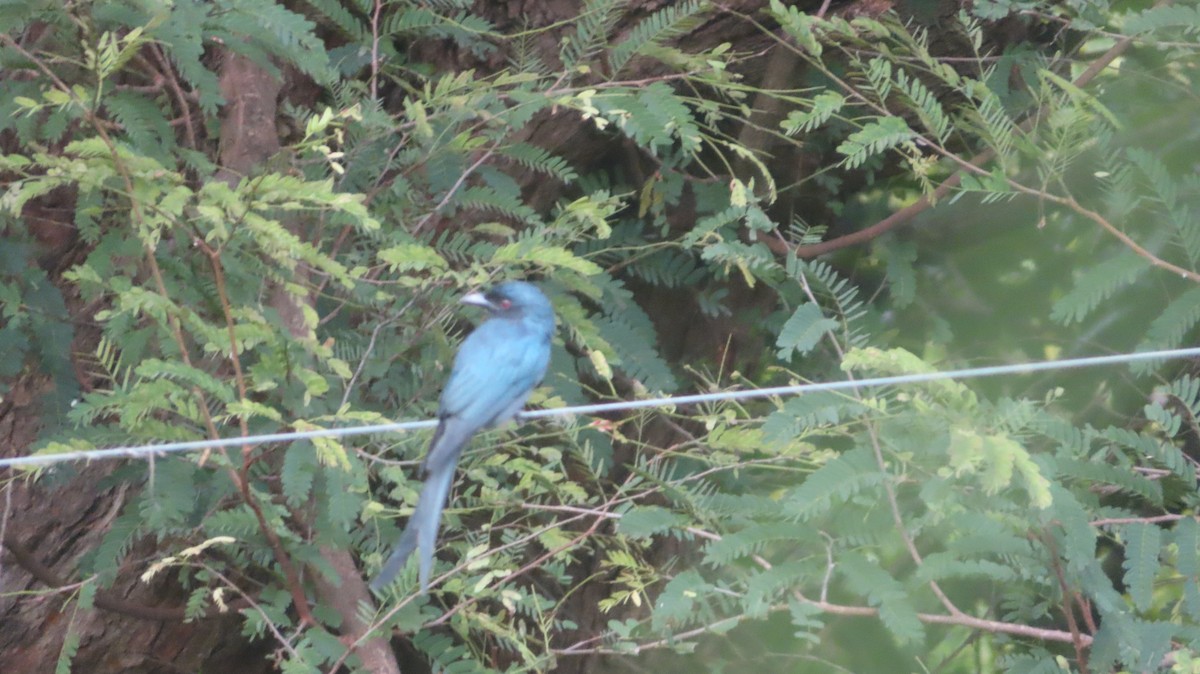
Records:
x=1109, y=521
x=375, y=49
x=1095, y=217
x=888, y=488
x=1068, y=610
x=267, y=620
x=961, y=620
x=371, y=347
x=105, y=599
x=8, y=487
x=521, y=571
x=906, y=214
x=455, y=187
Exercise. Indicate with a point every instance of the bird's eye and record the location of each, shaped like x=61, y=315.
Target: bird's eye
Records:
x=505, y=304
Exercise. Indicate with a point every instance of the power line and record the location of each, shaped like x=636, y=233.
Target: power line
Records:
x=138, y=451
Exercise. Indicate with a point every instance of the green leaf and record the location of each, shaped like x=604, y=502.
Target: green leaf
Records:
x=631, y=337
x=676, y=604
x=809, y=412
x=1093, y=472
x=646, y=521
x=824, y=106
x=66, y=653
x=654, y=117
x=549, y=257
x=412, y=257
x=754, y=538
x=1155, y=448
x=197, y=603
x=1080, y=96
x=171, y=497
x=895, y=610
x=766, y=588
x=657, y=27
x=1023, y=663
x=942, y=565
x=803, y=330
x=1096, y=285
x=994, y=458
x=838, y=480
x=1142, y=544
x=1170, y=327
x=806, y=618
x=1187, y=545
x=1146, y=651
x=1185, y=16
x=897, y=362
x=799, y=24
x=901, y=273
x=1191, y=598
x=882, y=134
x=299, y=469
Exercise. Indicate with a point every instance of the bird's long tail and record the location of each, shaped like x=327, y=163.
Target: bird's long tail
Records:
x=422, y=528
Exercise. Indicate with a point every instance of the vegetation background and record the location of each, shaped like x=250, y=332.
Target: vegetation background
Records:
x=230, y=217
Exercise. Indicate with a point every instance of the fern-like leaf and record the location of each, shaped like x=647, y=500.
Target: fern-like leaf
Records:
x=753, y=539
x=824, y=106
x=1171, y=326
x=591, y=32
x=876, y=137
x=670, y=20
x=634, y=347
x=1159, y=450
x=806, y=413
x=1142, y=543
x=926, y=105
x=884, y=592
x=837, y=480
x=1091, y=472
x=1165, y=16
x=536, y=159
x=803, y=330
x=1096, y=285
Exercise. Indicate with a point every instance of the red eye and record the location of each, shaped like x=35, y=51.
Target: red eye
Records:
x=504, y=304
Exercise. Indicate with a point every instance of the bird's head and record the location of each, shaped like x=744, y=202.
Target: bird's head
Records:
x=510, y=297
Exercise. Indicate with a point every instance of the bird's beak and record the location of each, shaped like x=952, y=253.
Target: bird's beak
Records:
x=477, y=299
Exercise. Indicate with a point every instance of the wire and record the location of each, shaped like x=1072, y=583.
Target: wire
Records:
x=137, y=451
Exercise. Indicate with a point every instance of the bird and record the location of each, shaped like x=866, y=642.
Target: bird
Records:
x=496, y=368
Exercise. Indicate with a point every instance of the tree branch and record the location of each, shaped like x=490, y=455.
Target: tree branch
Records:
x=105, y=599
x=906, y=214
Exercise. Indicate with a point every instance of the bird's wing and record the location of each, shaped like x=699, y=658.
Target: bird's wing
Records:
x=496, y=368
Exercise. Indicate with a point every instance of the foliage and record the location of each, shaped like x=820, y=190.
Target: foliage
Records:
x=318, y=291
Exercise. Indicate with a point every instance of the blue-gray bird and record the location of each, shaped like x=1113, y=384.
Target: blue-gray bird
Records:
x=496, y=368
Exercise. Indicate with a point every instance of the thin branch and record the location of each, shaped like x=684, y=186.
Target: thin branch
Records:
x=888, y=488
x=721, y=626
x=106, y=600
x=375, y=50
x=521, y=571
x=1156, y=519
x=965, y=620
x=906, y=214
x=1108, y=226
x=4, y=519
x=455, y=187
x=1068, y=610
x=266, y=619
x=168, y=74
x=362, y=363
